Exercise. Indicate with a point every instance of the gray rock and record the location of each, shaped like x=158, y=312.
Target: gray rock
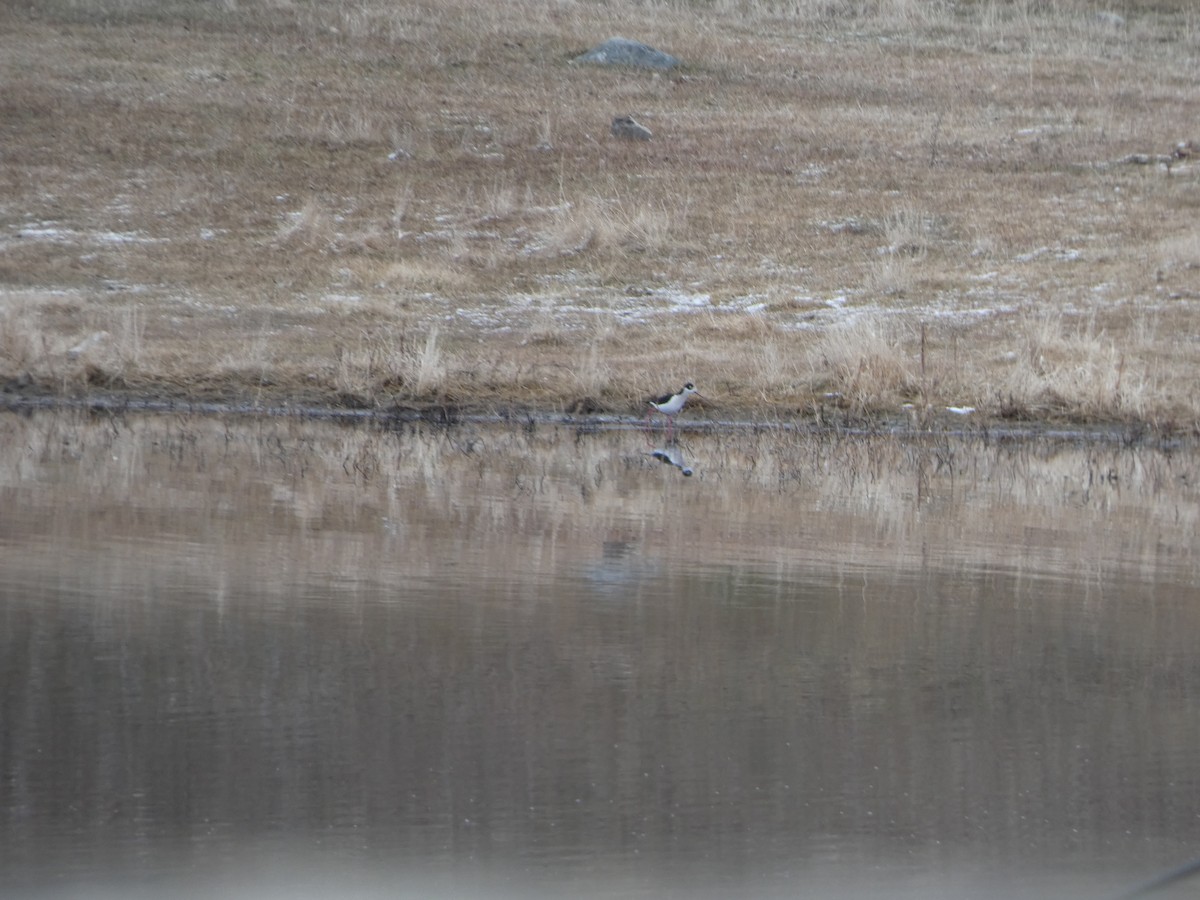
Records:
x=630, y=129
x=619, y=51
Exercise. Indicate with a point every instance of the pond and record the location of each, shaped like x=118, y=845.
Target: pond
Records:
x=277, y=657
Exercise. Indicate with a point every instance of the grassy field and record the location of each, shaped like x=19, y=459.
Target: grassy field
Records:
x=851, y=208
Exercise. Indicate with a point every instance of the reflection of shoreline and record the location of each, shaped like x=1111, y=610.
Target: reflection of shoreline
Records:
x=771, y=498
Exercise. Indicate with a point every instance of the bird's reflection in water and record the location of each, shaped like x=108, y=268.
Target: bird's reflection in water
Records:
x=673, y=456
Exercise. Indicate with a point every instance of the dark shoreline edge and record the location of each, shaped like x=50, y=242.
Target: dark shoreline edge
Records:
x=449, y=415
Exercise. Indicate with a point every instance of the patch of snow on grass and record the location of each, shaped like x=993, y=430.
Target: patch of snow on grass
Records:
x=852, y=225
x=54, y=233
x=45, y=231
x=1062, y=254
x=1031, y=255
x=680, y=300
x=122, y=237
x=484, y=319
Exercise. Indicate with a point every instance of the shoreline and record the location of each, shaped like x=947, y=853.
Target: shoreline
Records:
x=449, y=415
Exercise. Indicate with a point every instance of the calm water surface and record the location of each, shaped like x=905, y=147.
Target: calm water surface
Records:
x=276, y=658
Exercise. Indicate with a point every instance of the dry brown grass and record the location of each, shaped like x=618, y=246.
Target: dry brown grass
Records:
x=378, y=202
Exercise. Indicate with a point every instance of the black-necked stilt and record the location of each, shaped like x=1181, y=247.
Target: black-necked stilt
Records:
x=670, y=405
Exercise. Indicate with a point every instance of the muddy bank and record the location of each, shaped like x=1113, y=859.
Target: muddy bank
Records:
x=713, y=419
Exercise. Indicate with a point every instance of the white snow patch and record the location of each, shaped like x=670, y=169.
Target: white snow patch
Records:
x=684, y=301
x=54, y=233
x=852, y=225
x=122, y=237
x=43, y=232
x=1067, y=254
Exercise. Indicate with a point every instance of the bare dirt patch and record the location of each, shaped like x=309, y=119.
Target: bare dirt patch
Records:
x=853, y=207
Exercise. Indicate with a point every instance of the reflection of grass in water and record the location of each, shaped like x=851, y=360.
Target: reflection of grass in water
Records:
x=290, y=583
x=856, y=553
x=768, y=495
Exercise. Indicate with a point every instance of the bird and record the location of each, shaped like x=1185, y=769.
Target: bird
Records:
x=670, y=405
x=1184, y=152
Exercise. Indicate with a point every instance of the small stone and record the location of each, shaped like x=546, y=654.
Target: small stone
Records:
x=627, y=128
x=620, y=51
